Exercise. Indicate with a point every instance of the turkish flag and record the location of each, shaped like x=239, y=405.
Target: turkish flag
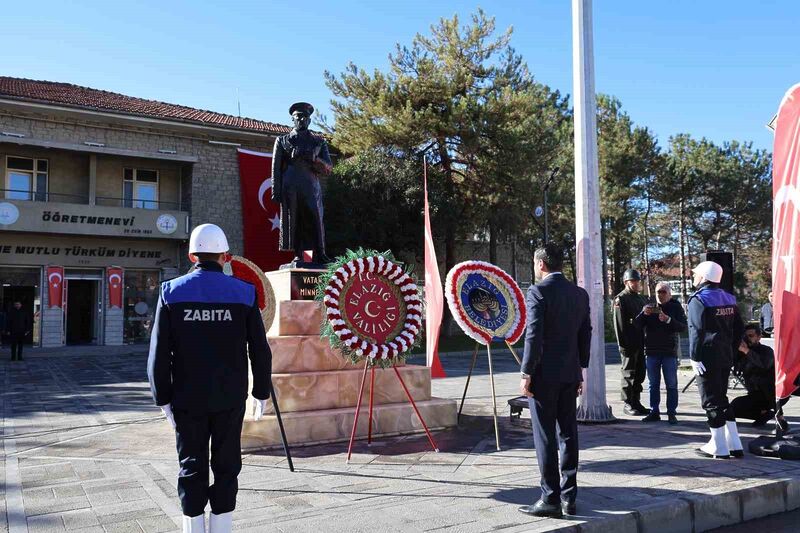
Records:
x=114, y=277
x=786, y=243
x=260, y=215
x=434, y=296
x=55, y=284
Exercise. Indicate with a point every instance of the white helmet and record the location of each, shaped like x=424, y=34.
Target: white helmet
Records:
x=208, y=238
x=709, y=270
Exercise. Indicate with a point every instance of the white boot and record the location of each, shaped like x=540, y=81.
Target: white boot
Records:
x=194, y=524
x=732, y=439
x=717, y=447
x=220, y=523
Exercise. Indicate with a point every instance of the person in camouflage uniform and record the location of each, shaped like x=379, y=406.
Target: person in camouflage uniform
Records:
x=627, y=305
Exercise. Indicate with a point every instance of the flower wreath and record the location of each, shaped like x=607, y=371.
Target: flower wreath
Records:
x=330, y=292
x=505, y=284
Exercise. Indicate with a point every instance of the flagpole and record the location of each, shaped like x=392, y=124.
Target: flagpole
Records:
x=593, y=406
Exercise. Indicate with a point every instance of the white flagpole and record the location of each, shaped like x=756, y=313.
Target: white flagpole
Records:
x=593, y=406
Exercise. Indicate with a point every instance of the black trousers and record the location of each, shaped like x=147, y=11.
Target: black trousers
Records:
x=713, y=386
x=16, y=347
x=553, y=406
x=192, y=436
x=751, y=406
x=634, y=371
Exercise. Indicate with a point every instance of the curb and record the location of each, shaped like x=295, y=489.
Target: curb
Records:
x=696, y=512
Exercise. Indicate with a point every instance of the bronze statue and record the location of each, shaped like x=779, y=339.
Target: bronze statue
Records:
x=298, y=160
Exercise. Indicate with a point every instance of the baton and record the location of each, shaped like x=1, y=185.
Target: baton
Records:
x=283, y=432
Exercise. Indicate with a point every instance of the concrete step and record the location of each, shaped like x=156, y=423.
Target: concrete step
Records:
x=314, y=391
x=335, y=425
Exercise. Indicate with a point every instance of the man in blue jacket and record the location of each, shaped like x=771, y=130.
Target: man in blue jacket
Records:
x=715, y=332
x=206, y=326
x=557, y=341
x=662, y=323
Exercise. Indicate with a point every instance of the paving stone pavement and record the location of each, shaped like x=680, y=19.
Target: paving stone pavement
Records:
x=85, y=450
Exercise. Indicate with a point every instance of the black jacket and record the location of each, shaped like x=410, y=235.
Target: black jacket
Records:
x=627, y=305
x=757, y=368
x=715, y=326
x=206, y=326
x=661, y=338
x=18, y=322
x=559, y=331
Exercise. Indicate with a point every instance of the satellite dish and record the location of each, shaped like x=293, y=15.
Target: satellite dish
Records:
x=538, y=211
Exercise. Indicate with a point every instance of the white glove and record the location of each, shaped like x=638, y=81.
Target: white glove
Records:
x=167, y=409
x=260, y=407
x=698, y=367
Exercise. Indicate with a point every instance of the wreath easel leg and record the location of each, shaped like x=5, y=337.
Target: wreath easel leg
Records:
x=466, y=385
x=494, y=398
x=371, y=395
x=358, y=409
x=519, y=361
x=414, y=405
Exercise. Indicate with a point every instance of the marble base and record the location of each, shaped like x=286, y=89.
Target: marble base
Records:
x=296, y=317
x=312, y=391
x=335, y=425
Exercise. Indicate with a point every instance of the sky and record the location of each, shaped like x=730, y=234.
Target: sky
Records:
x=711, y=68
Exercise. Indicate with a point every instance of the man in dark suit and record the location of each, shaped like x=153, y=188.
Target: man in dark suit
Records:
x=556, y=349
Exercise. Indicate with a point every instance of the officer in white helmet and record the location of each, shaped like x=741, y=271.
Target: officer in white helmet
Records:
x=206, y=326
x=715, y=331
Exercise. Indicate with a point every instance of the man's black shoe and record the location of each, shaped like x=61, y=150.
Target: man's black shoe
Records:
x=635, y=410
x=541, y=508
x=673, y=420
x=569, y=508
x=781, y=426
x=652, y=417
x=762, y=420
x=707, y=455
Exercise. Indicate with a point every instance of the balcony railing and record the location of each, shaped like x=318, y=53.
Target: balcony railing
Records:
x=137, y=203
x=32, y=196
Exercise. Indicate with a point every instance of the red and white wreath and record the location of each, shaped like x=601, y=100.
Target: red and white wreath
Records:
x=372, y=307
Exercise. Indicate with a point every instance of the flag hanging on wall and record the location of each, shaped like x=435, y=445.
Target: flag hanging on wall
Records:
x=260, y=215
x=786, y=243
x=114, y=276
x=55, y=283
x=434, y=296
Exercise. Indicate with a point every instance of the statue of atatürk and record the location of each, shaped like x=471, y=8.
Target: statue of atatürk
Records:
x=298, y=160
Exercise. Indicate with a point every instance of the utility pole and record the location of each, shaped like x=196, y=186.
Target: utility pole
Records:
x=593, y=406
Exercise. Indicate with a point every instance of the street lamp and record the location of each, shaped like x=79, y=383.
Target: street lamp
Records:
x=546, y=187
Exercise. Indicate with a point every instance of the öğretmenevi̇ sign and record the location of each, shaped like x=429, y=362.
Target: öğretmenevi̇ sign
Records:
x=486, y=302
x=372, y=306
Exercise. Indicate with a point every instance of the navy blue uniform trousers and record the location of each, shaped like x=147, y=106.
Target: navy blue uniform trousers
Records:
x=224, y=429
x=555, y=435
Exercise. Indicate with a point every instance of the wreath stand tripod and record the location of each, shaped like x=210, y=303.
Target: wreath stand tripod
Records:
x=368, y=366
x=491, y=381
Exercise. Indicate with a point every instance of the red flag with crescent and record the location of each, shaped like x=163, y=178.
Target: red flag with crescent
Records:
x=260, y=215
x=114, y=277
x=786, y=243
x=55, y=285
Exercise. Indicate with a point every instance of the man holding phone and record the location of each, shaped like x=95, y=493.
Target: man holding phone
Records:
x=662, y=324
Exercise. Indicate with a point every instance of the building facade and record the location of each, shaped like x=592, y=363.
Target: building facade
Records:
x=100, y=188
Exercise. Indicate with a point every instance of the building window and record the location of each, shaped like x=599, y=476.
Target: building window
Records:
x=140, y=299
x=26, y=178
x=140, y=188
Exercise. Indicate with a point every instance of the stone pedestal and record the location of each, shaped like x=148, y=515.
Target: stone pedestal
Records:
x=317, y=388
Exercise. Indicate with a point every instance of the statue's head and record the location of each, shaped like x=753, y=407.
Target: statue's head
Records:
x=301, y=115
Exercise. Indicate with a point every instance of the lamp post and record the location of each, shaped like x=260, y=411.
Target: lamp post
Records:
x=593, y=406
x=546, y=220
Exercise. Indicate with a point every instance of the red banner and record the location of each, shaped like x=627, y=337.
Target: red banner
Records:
x=114, y=277
x=260, y=215
x=786, y=243
x=55, y=284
